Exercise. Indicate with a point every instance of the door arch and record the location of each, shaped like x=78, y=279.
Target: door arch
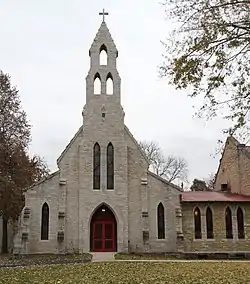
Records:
x=103, y=230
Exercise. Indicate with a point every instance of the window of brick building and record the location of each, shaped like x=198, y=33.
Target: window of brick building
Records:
x=197, y=223
x=240, y=224
x=209, y=223
x=229, y=225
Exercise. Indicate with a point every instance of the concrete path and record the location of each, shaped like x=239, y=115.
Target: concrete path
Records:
x=103, y=256
x=110, y=256
x=179, y=260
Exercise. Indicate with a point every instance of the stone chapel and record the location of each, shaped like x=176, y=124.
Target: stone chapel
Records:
x=103, y=197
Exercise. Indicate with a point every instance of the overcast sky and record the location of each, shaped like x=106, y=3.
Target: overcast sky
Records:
x=44, y=47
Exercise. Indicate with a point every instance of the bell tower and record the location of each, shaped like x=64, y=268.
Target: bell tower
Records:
x=103, y=81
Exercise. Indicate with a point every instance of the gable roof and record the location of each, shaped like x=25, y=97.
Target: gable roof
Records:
x=44, y=179
x=103, y=34
x=213, y=196
x=70, y=143
x=244, y=150
x=165, y=181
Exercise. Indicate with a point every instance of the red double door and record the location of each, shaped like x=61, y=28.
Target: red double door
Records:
x=103, y=236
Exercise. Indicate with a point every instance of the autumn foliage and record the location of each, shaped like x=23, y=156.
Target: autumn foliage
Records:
x=17, y=169
x=207, y=54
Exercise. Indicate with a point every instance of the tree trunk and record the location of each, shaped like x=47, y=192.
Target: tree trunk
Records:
x=5, y=236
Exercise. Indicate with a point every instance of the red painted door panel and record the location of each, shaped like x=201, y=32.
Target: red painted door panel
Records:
x=103, y=236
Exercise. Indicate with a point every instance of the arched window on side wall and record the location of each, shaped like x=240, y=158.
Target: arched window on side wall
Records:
x=45, y=222
x=197, y=223
x=110, y=166
x=209, y=223
x=161, y=221
x=96, y=166
x=240, y=223
x=103, y=55
x=229, y=225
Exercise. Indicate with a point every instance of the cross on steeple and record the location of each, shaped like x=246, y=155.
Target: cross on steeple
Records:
x=103, y=13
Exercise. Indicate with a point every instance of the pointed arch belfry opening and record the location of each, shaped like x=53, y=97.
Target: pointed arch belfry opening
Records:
x=97, y=84
x=103, y=230
x=109, y=84
x=45, y=222
x=103, y=56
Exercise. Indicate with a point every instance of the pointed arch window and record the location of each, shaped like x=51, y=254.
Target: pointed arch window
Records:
x=197, y=223
x=109, y=84
x=45, y=222
x=240, y=223
x=229, y=225
x=103, y=56
x=209, y=223
x=110, y=166
x=96, y=166
x=161, y=221
x=97, y=84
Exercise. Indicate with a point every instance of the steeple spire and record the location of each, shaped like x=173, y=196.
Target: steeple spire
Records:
x=103, y=83
x=103, y=14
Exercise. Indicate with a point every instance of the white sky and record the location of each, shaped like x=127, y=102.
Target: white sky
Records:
x=44, y=47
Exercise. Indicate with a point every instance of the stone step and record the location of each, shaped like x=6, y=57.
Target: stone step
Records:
x=103, y=256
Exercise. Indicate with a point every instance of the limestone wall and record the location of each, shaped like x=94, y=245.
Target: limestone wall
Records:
x=159, y=191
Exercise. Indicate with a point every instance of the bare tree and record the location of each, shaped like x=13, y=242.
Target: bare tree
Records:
x=170, y=167
x=210, y=181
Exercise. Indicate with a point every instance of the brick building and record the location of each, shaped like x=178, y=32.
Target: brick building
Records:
x=218, y=222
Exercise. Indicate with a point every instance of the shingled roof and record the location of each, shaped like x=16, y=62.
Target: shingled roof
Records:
x=213, y=196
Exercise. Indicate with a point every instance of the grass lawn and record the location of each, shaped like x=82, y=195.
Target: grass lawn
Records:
x=137, y=256
x=38, y=259
x=130, y=273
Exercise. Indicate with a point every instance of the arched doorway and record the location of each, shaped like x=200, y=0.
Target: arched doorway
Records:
x=103, y=230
